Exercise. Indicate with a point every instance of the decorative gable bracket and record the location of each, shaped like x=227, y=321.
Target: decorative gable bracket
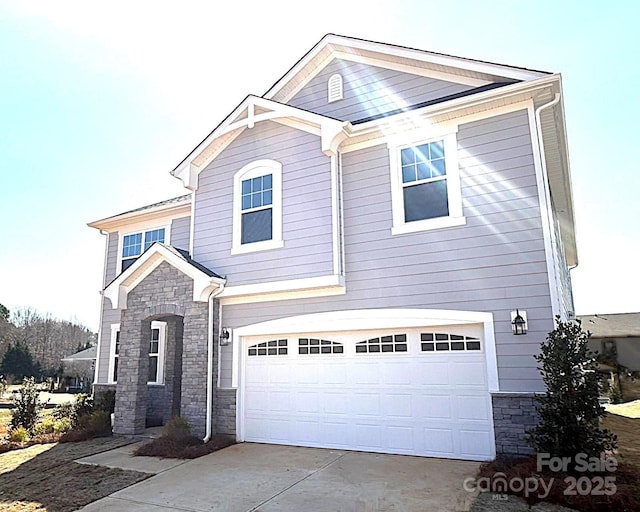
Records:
x=251, y=111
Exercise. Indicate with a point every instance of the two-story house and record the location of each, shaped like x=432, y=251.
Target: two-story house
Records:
x=356, y=251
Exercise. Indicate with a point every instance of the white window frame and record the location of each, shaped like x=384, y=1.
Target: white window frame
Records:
x=139, y=230
x=454, y=197
x=254, y=170
x=115, y=329
x=162, y=343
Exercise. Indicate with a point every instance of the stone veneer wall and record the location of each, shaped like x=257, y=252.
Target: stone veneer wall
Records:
x=166, y=292
x=513, y=415
x=225, y=411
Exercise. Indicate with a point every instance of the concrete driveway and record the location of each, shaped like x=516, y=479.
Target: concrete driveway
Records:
x=259, y=477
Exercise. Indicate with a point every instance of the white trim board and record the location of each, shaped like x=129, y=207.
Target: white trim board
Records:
x=323, y=52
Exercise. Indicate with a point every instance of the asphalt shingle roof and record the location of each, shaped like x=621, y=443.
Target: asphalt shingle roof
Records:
x=616, y=325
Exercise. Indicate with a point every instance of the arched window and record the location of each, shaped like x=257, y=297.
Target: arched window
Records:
x=257, y=207
x=334, y=88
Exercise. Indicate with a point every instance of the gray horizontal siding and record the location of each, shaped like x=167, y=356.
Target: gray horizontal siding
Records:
x=306, y=211
x=112, y=258
x=496, y=262
x=180, y=232
x=109, y=316
x=370, y=90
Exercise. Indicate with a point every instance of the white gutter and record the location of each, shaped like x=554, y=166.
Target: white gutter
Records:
x=213, y=295
x=547, y=195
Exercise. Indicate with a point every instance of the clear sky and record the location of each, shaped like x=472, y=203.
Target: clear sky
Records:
x=99, y=101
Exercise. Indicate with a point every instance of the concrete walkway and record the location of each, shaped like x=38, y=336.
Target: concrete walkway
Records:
x=258, y=477
x=123, y=458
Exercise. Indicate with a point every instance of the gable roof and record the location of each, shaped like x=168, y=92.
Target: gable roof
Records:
x=205, y=280
x=493, y=84
x=616, y=325
x=88, y=354
x=465, y=70
x=180, y=204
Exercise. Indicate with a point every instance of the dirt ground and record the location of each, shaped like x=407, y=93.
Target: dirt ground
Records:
x=45, y=477
x=628, y=432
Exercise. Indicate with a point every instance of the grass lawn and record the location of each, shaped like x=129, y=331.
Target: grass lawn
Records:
x=629, y=409
x=45, y=476
x=628, y=432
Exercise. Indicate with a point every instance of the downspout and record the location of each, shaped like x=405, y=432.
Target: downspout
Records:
x=543, y=163
x=213, y=295
x=104, y=278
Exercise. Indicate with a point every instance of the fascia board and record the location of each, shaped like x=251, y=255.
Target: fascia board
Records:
x=169, y=211
x=335, y=42
x=443, y=60
x=457, y=104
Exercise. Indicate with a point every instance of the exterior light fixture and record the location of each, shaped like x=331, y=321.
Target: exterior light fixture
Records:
x=519, y=322
x=225, y=337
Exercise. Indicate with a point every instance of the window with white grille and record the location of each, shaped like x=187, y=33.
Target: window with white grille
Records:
x=445, y=342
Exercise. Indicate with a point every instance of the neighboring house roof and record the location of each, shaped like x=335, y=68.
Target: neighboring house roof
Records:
x=88, y=354
x=182, y=202
x=616, y=325
x=204, y=279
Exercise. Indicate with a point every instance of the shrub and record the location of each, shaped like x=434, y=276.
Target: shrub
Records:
x=62, y=425
x=177, y=427
x=63, y=411
x=82, y=405
x=106, y=401
x=570, y=410
x=615, y=394
x=46, y=426
x=19, y=435
x=76, y=412
x=99, y=423
x=3, y=385
x=26, y=406
x=51, y=425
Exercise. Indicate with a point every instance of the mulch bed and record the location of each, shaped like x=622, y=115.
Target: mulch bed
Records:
x=183, y=447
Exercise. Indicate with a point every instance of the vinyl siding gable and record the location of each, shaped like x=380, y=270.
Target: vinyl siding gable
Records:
x=180, y=229
x=369, y=90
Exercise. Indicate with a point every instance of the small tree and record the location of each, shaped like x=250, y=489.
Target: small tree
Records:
x=570, y=411
x=26, y=406
x=18, y=362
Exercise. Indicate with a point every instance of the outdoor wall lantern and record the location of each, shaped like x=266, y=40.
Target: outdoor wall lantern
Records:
x=225, y=337
x=519, y=322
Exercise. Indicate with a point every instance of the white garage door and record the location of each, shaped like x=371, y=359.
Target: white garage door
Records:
x=418, y=392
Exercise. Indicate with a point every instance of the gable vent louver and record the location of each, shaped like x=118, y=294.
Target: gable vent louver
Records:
x=335, y=88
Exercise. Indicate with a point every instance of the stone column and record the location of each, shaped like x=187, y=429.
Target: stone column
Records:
x=133, y=372
x=193, y=401
x=173, y=368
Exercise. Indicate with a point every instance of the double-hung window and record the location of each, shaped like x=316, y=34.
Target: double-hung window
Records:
x=425, y=185
x=115, y=353
x=157, y=341
x=257, y=207
x=134, y=244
